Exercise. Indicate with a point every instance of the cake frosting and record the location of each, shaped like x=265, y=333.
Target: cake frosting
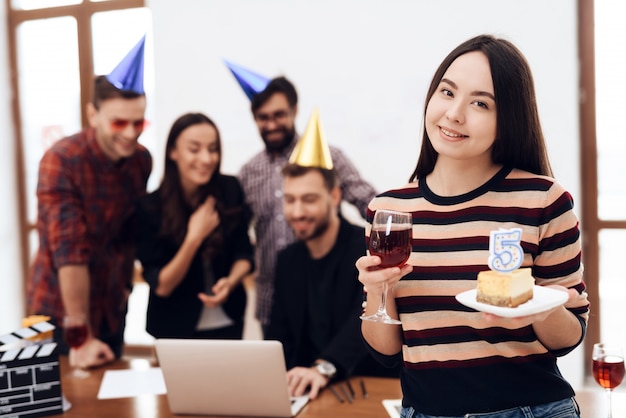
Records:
x=507, y=289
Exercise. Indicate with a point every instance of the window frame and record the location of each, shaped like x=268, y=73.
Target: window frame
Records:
x=83, y=13
x=590, y=221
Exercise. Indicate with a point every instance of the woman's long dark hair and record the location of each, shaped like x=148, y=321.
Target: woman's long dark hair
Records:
x=519, y=139
x=175, y=209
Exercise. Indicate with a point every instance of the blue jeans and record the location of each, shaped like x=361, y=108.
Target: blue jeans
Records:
x=566, y=408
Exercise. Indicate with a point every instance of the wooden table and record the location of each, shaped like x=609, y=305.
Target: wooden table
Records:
x=82, y=393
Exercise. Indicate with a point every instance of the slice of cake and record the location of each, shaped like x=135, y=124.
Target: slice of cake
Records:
x=505, y=289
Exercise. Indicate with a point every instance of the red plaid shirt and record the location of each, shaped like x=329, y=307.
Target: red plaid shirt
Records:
x=85, y=207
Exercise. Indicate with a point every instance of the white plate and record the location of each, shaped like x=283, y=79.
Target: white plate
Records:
x=544, y=298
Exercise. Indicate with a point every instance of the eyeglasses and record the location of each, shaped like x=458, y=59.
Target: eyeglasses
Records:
x=118, y=125
x=278, y=116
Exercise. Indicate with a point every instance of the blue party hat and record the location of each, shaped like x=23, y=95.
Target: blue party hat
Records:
x=251, y=82
x=128, y=75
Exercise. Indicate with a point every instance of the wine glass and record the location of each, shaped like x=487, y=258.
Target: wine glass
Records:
x=608, y=367
x=76, y=331
x=390, y=239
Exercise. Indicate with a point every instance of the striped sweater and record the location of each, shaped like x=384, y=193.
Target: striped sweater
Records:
x=454, y=361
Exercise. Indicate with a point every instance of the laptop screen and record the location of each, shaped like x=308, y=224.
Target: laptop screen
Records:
x=226, y=377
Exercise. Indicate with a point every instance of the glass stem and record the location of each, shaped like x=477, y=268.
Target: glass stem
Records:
x=610, y=403
x=382, y=308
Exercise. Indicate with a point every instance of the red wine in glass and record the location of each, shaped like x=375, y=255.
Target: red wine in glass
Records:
x=76, y=332
x=608, y=371
x=76, y=335
x=390, y=239
x=608, y=368
x=393, y=246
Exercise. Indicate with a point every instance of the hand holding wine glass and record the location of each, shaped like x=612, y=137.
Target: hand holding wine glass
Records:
x=608, y=367
x=390, y=239
x=76, y=331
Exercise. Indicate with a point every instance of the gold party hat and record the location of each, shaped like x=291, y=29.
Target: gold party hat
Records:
x=312, y=149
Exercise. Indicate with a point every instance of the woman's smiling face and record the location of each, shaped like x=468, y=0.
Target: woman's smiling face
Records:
x=461, y=114
x=197, y=155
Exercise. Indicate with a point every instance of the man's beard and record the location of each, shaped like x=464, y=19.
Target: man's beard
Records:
x=318, y=230
x=277, y=146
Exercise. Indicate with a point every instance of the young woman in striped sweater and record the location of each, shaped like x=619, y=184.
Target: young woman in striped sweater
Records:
x=483, y=165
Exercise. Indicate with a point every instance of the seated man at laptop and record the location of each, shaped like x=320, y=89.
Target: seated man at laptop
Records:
x=317, y=300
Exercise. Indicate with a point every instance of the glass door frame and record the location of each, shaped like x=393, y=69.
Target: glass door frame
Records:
x=591, y=223
x=588, y=169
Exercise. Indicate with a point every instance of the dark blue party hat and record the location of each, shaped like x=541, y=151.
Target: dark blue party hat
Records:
x=252, y=83
x=128, y=75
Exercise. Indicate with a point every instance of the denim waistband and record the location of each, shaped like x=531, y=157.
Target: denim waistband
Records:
x=565, y=408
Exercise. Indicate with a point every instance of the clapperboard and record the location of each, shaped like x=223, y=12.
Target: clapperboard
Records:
x=30, y=384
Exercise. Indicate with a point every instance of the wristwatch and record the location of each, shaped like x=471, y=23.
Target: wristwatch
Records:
x=326, y=368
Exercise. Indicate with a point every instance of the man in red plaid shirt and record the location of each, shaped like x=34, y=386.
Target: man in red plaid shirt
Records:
x=87, y=188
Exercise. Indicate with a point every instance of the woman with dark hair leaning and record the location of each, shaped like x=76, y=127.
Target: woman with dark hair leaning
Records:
x=193, y=239
x=483, y=166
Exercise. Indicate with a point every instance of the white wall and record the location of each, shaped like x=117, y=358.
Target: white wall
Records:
x=365, y=64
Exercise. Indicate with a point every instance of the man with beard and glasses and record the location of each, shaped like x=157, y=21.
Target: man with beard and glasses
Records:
x=274, y=110
x=317, y=300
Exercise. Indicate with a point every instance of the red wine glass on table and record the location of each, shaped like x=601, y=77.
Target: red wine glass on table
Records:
x=608, y=367
x=76, y=331
x=390, y=239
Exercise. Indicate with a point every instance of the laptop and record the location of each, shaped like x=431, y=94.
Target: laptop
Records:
x=226, y=377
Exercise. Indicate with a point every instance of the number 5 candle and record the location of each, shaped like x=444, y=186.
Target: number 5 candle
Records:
x=505, y=251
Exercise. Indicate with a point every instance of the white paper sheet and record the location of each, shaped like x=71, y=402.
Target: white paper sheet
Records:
x=393, y=407
x=130, y=383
